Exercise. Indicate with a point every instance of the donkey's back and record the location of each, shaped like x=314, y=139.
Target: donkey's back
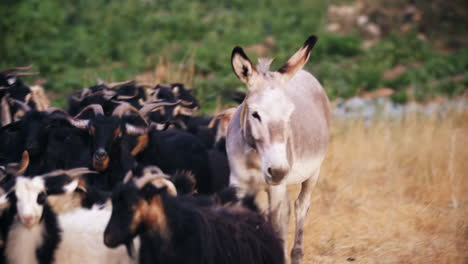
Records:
x=309, y=125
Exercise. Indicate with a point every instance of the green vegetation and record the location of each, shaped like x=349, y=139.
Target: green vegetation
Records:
x=72, y=43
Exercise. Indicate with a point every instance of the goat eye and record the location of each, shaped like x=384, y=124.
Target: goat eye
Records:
x=257, y=116
x=41, y=197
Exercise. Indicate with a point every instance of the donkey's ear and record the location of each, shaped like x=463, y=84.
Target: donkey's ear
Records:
x=299, y=59
x=242, y=66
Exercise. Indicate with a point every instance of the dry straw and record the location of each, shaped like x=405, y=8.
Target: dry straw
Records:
x=392, y=192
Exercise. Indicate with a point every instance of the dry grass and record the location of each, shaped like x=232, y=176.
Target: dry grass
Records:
x=393, y=192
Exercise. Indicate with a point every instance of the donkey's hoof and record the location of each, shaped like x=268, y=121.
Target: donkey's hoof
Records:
x=296, y=255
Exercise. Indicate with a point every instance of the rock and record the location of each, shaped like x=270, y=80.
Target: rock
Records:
x=367, y=110
x=333, y=27
x=393, y=73
x=372, y=30
x=380, y=92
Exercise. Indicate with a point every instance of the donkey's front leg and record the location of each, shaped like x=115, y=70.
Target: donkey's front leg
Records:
x=301, y=207
x=279, y=212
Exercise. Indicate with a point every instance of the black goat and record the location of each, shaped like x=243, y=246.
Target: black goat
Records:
x=185, y=230
x=177, y=115
x=115, y=140
x=15, y=96
x=48, y=138
x=108, y=96
x=174, y=150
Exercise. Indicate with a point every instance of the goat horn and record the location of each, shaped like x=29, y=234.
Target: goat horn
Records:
x=128, y=177
x=21, y=68
x=125, y=97
x=52, y=110
x=184, y=111
x=149, y=107
x=97, y=109
x=22, y=105
x=162, y=180
x=186, y=103
x=107, y=94
x=84, y=93
x=124, y=107
x=134, y=130
x=147, y=85
x=79, y=123
x=26, y=74
x=152, y=170
x=163, y=85
x=24, y=163
x=117, y=84
x=148, y=178
x=72, y=172
x=79, y=171
x=83, y=123
x=128, y=97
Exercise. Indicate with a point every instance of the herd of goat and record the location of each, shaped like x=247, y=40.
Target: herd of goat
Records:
x=126, y=174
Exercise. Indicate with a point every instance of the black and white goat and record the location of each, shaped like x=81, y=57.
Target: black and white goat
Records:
x=37, y=234
x=181, y=229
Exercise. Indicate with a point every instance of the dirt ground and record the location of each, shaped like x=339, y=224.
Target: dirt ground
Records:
x=391, y=192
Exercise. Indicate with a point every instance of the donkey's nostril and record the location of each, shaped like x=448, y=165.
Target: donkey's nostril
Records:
x=277, y=174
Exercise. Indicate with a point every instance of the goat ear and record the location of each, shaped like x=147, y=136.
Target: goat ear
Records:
x=24, y=163
x=71, y=186
x=82, y=186
x=19, y=168
x=299, y=59
x=4, y=202
x=242, y=66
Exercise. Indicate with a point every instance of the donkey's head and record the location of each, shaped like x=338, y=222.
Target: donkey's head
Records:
x=267, y=109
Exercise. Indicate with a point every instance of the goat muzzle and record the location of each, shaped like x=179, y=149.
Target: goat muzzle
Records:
x=100, y=160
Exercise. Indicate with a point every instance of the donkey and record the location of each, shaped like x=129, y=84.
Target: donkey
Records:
x=278, y=136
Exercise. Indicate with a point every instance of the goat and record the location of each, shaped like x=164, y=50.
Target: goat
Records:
x=174, y=150
x=115, y=141
x=39, y=235
x=164, y=114
x=173, y=92
x=47, y=136
x=108, y=96
x=16, y=97
x=181, y=229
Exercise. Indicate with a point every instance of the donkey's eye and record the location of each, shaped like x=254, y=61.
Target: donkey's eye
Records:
x=257, y=116
x=41, y=197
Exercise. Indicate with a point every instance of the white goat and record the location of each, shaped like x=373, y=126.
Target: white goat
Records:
x=38, y=235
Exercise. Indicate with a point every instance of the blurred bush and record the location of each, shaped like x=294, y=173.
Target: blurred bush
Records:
x=72, y=43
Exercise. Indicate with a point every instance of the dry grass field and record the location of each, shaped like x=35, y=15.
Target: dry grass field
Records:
x=392, y=192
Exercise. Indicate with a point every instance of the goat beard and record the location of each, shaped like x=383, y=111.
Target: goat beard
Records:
x=100, y=165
